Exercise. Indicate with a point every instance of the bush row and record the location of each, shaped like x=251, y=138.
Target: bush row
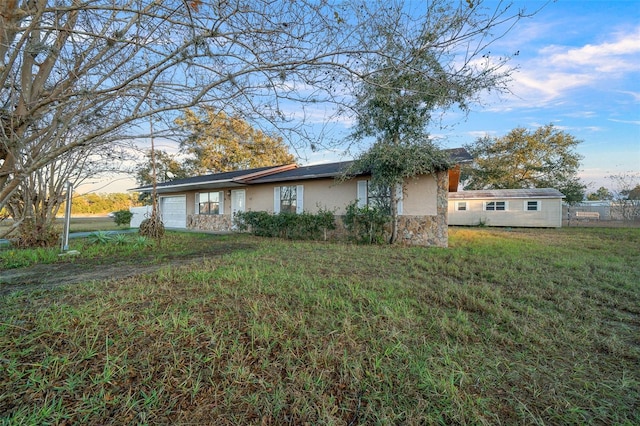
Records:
x=365, y=225
x=287, y=225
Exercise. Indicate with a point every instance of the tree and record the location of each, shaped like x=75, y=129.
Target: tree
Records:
x=634, y=193
x=626, y=195
x=601, y=194
x=66, y=64
x=167, y=168
x=544, y=158
x=39, y=197
x=219, y=143
x=391, y=163
x=431, y=64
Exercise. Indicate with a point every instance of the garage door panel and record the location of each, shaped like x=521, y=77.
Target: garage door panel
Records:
x=174, y=211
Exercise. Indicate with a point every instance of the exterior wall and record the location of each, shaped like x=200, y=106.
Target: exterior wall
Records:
x=328, y=194
x=419, y=196
x=206, y=222
x=417, y=229
x=549, y=215
x=318, y=193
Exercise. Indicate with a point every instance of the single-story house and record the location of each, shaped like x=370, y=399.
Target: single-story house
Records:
x=209, y=202
x=541, y=208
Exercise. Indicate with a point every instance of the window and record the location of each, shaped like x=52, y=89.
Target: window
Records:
x=209, y=203
x=377, y=197
x=461, y=206
x=532, y=206
x=288, y=199
x=491, y=206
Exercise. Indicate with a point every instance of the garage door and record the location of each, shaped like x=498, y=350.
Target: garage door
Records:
x=174, y=211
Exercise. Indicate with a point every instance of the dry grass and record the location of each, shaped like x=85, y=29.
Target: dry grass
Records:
x=519, y=327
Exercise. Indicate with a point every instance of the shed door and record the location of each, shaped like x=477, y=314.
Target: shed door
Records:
x=174, y=211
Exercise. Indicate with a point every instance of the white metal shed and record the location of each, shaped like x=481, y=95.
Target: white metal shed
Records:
x=536, y=207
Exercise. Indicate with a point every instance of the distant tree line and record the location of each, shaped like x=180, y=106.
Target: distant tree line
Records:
x=101, y=203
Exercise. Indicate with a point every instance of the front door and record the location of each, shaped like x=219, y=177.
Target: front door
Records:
x=237, y=201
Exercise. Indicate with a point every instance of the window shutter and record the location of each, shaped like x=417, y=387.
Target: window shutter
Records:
x=362, y=193
x=299, y=199
x=197, y=210
x=276, y=199
x=400, y=197
x=221, y=202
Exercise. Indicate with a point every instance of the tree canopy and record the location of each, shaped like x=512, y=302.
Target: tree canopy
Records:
x=103, y=69
x=397, y=99
x=600, y=195
x=391, y=164
x=542, y=158
x=219, y=143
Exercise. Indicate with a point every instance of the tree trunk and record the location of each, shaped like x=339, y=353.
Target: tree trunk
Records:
x=394, y=215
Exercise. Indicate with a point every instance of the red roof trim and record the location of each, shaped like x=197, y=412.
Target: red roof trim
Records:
x=262, y=173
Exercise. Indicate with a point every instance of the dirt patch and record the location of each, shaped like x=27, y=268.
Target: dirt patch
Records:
x=49, y=276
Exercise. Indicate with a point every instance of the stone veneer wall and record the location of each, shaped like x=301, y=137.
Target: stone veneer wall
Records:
x=430, y=231
x=205, y=222
x=412, y=230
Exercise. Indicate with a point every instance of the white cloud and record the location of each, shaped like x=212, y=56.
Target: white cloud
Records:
x=556, y=69
x=608, y=57
x=481, y=133
x=546, y=85
x=635, y=122
x=634, y=95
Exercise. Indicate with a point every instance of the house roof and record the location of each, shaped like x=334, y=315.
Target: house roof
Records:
x=307, y=172
x=459, y=155
x=282, y=173
x=216, y=180
x=506, y=194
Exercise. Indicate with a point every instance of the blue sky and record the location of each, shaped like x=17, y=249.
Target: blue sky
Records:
x=578, y=68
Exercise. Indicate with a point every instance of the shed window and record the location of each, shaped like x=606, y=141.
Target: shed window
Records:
x=491, y=206
x=532, y=206
x=209, y=203
x=461, y=206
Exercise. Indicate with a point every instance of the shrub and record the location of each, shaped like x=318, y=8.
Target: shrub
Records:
x=120, y=239
x=31, y=234
x=366, y=224
x=152, y=227
x=122, y=217
x=99, y=237
x=287, y=225
x=141, y=242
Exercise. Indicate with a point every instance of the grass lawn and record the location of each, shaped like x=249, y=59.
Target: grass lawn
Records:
x=503, y=327
x=77, y=224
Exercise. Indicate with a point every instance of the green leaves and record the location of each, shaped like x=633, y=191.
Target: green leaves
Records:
x=286, y=225
x=390, y=164
x=220, y=143
x=122, y=217
x=544, y=158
